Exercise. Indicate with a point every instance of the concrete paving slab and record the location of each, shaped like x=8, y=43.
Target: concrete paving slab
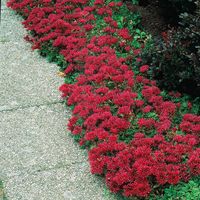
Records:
x=35, y=139
x=3, y=4
x=39, y=161
x=71, y=183
x=38, y=158
x=7, y=33
x=25, y=77
x=6, y=12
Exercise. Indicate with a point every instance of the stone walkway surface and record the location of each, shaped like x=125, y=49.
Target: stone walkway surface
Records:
x=38, y=158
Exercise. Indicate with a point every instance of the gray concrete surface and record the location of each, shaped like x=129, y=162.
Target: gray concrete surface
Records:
x=38, y=158
x=25, y=78
x=3, y=4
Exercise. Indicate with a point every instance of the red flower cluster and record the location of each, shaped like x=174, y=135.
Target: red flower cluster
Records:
x=130, y=167
x=108, y=98
x=191, y=124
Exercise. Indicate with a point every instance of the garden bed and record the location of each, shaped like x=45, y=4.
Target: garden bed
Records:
x=142, y=139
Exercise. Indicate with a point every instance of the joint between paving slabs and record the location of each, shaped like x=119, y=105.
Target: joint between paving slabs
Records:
x=58, y=166
x=4, y=8
x=31, y=106
x=41, y=169
x=4, y=40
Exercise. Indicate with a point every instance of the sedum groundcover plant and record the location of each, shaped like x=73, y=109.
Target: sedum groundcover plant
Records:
x=140, y=141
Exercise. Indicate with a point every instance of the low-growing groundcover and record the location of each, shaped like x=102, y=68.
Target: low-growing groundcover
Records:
x=2, y=193
x=141, y=141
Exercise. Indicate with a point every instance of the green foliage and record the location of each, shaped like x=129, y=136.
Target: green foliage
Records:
x=138, y=38
x=182, y=191
x=76, y=138
x=52, y=54
x=135, y=2
x=71, y=79
x=127, y=19
x=2, y=193
x=127, y=135
x=80, y=122
x=152, y=115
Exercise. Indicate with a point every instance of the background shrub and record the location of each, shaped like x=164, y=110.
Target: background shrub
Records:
x=175, y=57
x=171, y=9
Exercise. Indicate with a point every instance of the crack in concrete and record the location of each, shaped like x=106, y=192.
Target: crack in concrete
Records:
x=31, y=106
x=3, y=41
x=29, y=171
x=58, y=166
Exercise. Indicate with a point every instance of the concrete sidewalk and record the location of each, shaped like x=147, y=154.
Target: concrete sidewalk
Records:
x=38, y=158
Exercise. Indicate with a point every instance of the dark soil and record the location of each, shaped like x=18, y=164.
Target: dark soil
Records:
x=152, y=20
